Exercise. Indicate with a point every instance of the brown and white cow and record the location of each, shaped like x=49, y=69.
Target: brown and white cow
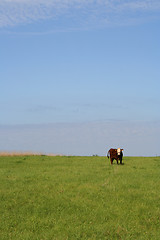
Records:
x=116, y=154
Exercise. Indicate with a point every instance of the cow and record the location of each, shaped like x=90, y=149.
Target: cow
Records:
x=116, y=154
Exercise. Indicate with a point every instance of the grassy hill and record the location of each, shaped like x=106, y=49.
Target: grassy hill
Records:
x=47, y=198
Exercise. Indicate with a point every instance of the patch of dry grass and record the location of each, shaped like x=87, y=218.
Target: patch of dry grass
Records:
x=3, y=153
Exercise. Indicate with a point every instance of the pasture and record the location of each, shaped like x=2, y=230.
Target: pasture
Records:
x=71, y=197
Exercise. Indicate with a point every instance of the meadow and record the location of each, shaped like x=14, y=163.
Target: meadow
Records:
x=71, y=197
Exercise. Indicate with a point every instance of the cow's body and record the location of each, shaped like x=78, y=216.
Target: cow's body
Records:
x=116, y=154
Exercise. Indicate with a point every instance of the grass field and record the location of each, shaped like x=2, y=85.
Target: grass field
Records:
x=49, y=198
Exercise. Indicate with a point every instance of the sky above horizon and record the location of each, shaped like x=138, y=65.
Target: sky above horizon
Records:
x=74, y=63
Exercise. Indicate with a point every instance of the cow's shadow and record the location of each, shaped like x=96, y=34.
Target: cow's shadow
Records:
x=118, y=164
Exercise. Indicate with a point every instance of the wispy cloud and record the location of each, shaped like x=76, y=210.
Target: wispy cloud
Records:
x=75, y=13
x=137, y=138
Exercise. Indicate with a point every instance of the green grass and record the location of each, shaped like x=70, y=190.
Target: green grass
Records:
x=49, y=198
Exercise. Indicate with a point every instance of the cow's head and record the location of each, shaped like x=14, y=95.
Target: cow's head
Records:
x=119, y=151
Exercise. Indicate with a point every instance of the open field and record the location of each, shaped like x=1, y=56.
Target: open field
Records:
x=49, y=198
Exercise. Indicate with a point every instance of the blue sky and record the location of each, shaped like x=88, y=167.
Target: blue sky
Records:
x=77, y=67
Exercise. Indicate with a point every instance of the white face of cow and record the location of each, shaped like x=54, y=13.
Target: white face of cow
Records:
x=118, y=151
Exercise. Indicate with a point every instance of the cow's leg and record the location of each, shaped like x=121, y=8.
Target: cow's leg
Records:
x=117, y=160
x=111, y=161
